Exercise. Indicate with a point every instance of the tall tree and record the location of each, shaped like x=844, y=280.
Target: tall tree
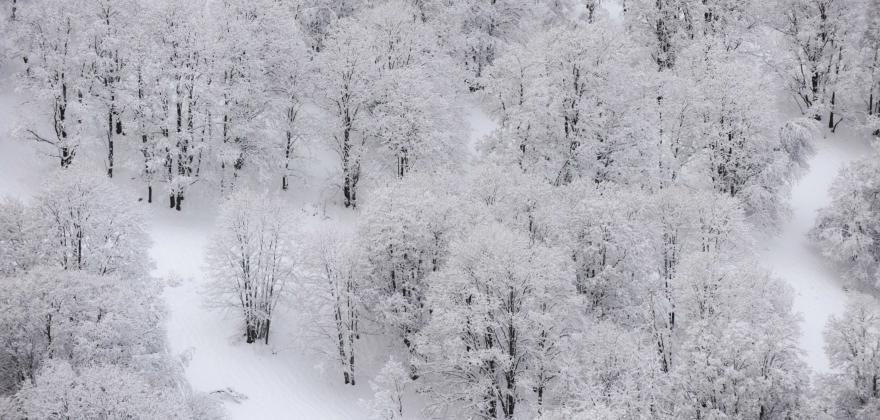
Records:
x=53, y=39
x=252, y=260
x=498, y=308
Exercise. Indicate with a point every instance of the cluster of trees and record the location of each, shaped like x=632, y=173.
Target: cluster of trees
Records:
x=83, y=323
x=184, y=94
x=853, y=346
x=595, y=262
x=847, y=231
x=830, y=59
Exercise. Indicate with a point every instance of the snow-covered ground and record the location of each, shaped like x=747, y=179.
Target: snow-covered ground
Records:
x=283, y=381
x=280, y=380
x=818, y=288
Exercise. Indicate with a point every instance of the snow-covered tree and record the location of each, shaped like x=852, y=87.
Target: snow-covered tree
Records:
x=91, y=225
x=852, y=343
x=388, y=388
x=610, y=372
x=21, y=237
x=610, y=246
x=241, y=51
x=416, y=119
x=147, y=104
x=404, y=232
x=738, y=351
x=846, y=230
x=337, y=294
x=79, y=317
x=735, y=148
x=98, y=392
x=346, y=90
x=252, y=260
x=498, y=310
x=381, y=80
x=866, y=87
x=669, y=27
x=815, y=33
x=565, y=113
x=287, y=71
x=109, y=68
x=52, y=40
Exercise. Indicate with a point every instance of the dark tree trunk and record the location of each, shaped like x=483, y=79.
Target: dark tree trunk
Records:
x=66, y=156
x=79, y=249
x=831, y=124
x=287, y=147
x=351, y=365
x=110, y=143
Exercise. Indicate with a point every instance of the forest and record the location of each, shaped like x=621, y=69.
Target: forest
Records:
x=440, y=209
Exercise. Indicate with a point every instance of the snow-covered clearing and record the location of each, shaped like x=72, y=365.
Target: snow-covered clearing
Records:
x=282, y=380
x=818, y=289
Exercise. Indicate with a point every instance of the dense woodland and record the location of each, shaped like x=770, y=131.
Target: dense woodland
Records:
x=593, y=257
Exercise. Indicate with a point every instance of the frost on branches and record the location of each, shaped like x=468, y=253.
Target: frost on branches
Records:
x=252, y=259
x=83, y=319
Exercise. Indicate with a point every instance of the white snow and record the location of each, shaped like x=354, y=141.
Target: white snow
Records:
x=281, y=381
x=818, y=289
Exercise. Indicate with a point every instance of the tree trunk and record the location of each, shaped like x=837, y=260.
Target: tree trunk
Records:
x=66, y=156
x=350, y=167
x=79, y=249
x=831, y=124
x=110, y=143
x=287, y=147
x=266, y=331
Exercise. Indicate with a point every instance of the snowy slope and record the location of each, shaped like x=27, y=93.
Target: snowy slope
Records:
x=278, y=380
x=818, y=288
x=282, y=380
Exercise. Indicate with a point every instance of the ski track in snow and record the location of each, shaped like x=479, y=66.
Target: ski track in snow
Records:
x=817, y=285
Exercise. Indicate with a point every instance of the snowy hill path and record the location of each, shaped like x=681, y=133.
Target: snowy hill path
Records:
x=818, y=289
